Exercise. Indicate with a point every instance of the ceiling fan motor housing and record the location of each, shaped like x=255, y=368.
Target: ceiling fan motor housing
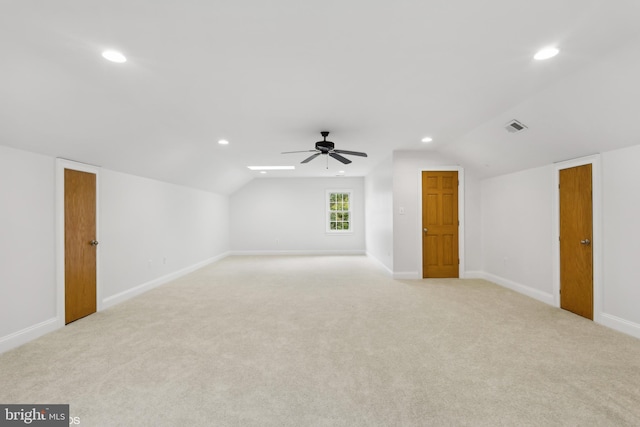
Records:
x=324, y=146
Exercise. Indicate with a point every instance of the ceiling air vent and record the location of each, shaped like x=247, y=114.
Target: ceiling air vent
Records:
x=515, y=126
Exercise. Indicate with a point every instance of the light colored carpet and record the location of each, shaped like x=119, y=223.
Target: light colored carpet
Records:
x=329, y=341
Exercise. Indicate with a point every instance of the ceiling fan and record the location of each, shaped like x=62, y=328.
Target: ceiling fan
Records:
x=327, y=148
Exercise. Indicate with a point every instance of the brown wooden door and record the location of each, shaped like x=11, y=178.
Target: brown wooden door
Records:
x=576, y=250
x=79, y=245
x=440, y=224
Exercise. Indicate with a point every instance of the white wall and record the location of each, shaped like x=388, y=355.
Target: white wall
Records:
x=150, y=229
x=378, y=188
x=27, y=241
x=518, y=236
x=407, y=234
x=517, y=231
x=139, y=220
x=142, y=220
x=473, y=223
x=621, y=228
x=272, y=215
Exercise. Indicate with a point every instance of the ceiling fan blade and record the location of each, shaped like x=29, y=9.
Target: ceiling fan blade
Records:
x=308, y=159
x=339, y=158
x=303, y=151
x=353, y=153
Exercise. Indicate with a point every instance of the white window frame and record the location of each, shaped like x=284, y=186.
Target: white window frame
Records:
x=328, y=211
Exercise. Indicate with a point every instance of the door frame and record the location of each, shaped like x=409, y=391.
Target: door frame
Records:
x=596, y=205
x=61, y=165
x=461, y=234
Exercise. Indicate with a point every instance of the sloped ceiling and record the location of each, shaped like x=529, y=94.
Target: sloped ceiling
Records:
x=269, y=76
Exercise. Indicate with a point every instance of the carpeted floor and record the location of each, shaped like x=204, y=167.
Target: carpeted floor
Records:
x=329, y=341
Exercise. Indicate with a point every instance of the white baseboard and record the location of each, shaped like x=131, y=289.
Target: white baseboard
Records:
x=380, y=263
x=514, y=286
x=415, y=275
x=299, y=252
x=620, y=325
x=474, y=274
x=135, y=291
x=28, y=334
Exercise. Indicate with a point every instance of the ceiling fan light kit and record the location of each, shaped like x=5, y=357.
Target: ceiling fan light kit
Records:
x=328, y=148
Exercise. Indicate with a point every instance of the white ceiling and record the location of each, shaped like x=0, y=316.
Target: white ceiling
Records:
x=269, y=76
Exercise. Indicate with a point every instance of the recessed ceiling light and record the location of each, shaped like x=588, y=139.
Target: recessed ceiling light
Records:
x=263, y=171
x=114, y=56
x=427, y=139
x=271, y=168
x=546, y=53
x=223, y=142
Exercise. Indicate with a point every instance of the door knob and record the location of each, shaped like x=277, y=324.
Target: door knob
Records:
x=93, y=243
x=425, y=230
x=585, y=242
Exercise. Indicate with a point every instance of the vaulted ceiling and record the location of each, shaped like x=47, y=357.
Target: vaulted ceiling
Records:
x=269, y=76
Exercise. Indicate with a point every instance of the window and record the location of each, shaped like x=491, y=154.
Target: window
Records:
x=339, y=211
